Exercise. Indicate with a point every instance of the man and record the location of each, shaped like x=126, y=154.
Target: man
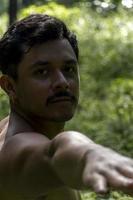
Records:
x=38, y=159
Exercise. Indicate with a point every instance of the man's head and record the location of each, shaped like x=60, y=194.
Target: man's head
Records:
x=39, y=60
x=26, y=33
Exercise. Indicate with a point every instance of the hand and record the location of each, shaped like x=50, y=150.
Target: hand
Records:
x=105, y=169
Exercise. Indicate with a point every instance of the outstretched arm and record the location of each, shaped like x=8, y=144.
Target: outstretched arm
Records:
x=31, y=164
x=86, y=164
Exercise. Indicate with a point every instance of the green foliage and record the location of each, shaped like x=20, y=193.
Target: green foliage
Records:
x=120, y=116
x=53, y=9
x=106, y=63
x=3, y=6
x=4, y=105
x=112, y=196
x=3, y=23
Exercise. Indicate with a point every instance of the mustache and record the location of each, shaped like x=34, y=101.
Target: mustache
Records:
x=61, y=94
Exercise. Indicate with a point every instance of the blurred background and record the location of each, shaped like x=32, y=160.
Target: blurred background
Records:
x=105, y=33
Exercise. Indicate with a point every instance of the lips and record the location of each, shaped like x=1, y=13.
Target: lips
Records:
x=61, y=99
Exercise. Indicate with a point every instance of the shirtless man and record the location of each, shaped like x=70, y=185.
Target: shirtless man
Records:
x=38, y=160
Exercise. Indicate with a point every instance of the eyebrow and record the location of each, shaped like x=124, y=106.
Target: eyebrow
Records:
x=38, y=63
x=44, y=63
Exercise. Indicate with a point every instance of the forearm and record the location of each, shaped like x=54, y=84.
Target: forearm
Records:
x=82, y=164
x=68, y=152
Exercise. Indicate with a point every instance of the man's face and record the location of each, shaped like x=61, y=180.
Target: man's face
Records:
x=48, y=81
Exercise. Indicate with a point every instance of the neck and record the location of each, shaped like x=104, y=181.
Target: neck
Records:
x=48, y=128
x=25, y=124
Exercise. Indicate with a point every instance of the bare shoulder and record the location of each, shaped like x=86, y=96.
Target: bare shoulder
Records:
x=23, y=144
x=25, y=141
x=24, y=161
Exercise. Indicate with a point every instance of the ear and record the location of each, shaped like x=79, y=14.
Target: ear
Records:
x=8, y=85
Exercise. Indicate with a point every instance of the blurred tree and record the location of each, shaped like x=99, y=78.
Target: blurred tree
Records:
x=65, y=2
x=12, y=11
x=28, y=2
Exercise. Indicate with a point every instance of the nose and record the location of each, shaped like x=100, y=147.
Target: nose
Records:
x=60, y=81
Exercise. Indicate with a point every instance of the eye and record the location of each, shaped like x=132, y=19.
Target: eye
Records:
x=70, y=69
x=42, y=72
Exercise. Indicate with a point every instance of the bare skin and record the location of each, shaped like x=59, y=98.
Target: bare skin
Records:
x=59, y=191
x=38, y=159
x=40, y=176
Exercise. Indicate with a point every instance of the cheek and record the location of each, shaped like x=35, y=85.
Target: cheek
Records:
x=35, y=93
x=32, y=100
x=75, y=86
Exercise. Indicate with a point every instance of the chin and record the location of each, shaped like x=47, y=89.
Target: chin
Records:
x=63, y=118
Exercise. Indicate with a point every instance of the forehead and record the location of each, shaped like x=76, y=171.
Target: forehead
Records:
x=51, y=51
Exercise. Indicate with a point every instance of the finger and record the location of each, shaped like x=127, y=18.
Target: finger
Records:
x=100, y=184
x=118, y=181
x=97, y=183
x=126, y=171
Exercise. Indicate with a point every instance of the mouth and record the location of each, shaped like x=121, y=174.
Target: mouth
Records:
x=61, y=100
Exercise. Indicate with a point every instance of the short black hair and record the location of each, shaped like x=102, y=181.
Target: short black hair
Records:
x=24, y=34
